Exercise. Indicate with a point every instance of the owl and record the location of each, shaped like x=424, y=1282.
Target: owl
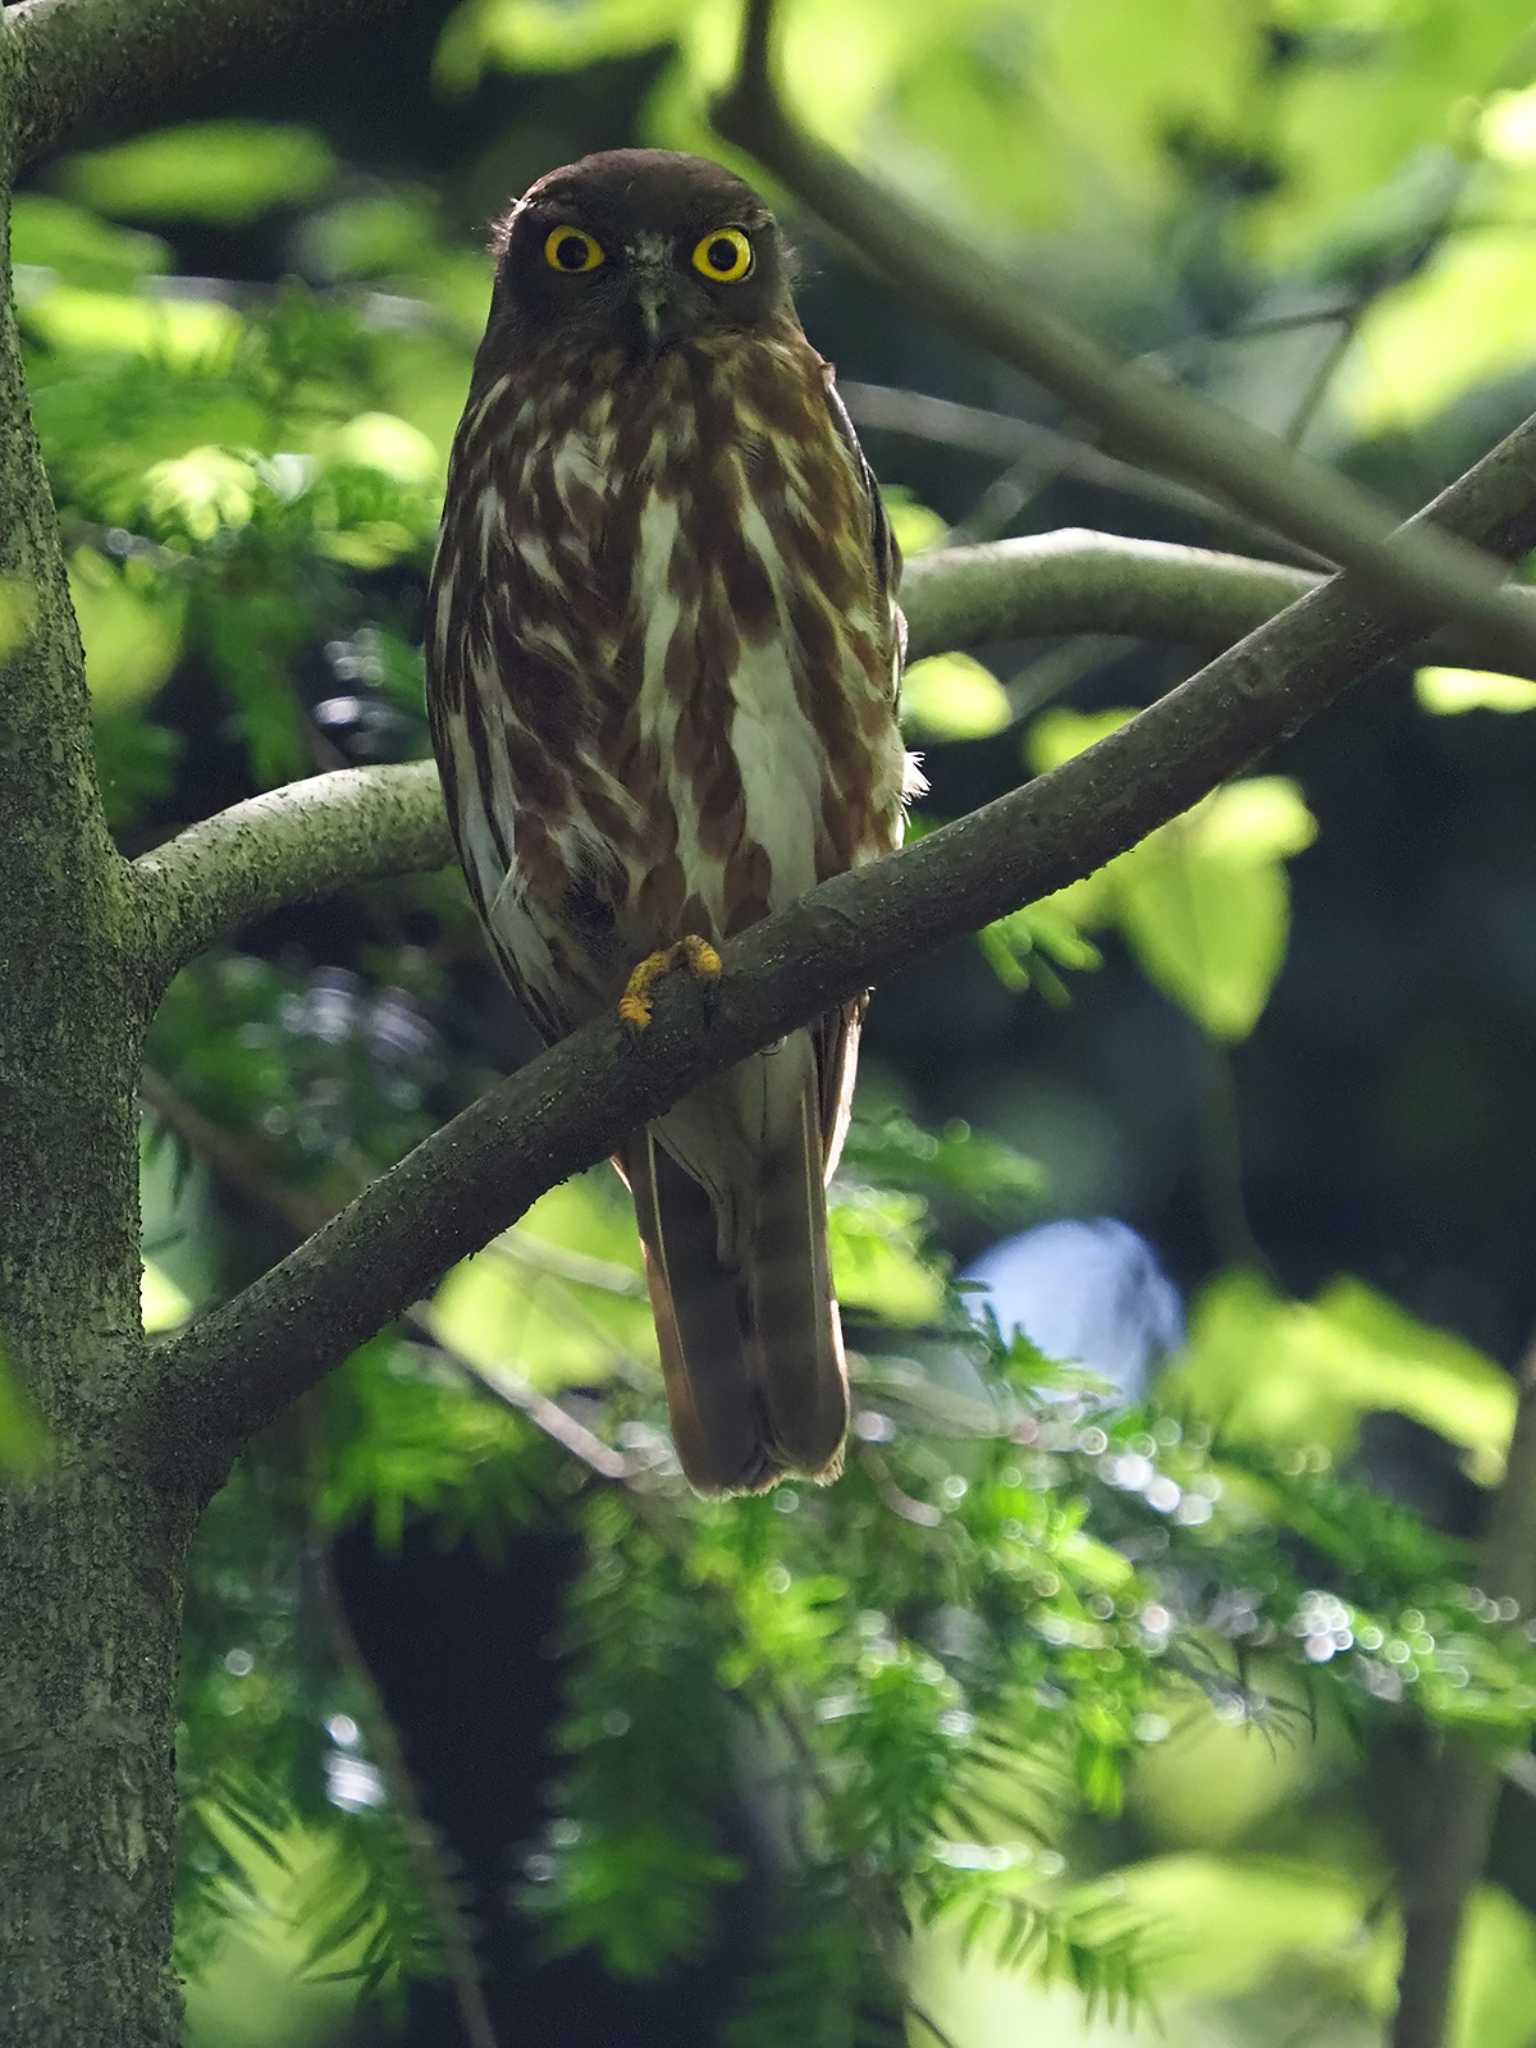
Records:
x=663, y=662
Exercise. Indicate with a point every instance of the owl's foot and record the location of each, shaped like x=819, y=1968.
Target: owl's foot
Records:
x=692, y=955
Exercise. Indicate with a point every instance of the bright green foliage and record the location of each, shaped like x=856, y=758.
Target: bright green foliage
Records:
x=1204, y=902
x=204, y=170
x=1472, y=689
x=1329, y=1363
x=948, y=1684
x=952, y=697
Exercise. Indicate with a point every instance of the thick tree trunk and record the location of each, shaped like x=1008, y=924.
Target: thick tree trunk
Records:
x=91, y=1543
x=90, y=1610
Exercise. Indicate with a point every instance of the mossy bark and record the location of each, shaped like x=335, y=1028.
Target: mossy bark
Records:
x=91, y=1546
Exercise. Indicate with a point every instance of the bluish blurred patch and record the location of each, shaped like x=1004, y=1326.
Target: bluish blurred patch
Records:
x=1088, y=1293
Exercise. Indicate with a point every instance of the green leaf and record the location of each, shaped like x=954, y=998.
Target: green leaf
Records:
x=132, y=638
x=542, y=35
x=1463, y=319
x=1059, y=735
x=165, y=1306
x=382, y=441
x=1267, y=1369
x=225, y=171
x=952, y=697
x=877, y=1259
x=1224, y=1923
x=1204, y=902
x=1448, y=690
x=83, y=249
x=193, y=496
x=1209, y=930
x=560, y=1300
x=191, y=332
x=916, y=525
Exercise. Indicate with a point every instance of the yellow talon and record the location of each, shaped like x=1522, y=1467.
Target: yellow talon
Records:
x=692, y=953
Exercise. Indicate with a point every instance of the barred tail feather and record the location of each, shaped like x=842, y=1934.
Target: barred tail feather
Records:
x=751, y=1346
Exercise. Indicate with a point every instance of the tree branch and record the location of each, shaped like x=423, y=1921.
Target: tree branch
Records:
x=361, y=824
x=1049, y=452
x=1076, y=581
x=237, y=1368
x=288, y=846
x=79, y=63
x=1427, y=578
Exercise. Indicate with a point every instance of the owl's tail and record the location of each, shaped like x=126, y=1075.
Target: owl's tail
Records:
x=736, y=1256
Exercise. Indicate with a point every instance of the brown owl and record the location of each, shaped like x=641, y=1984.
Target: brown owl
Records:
x=663, y=659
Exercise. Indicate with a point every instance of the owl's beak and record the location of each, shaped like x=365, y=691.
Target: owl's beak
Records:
x=651, y=304
x=651, y=269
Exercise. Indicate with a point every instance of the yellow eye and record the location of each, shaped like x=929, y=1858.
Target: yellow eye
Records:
x=571, y=249
x=725, y=257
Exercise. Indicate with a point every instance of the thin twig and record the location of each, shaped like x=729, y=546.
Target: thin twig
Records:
x=926, y=2019
x=527, y=1248
x=513, y=1391
x=980, y=431
x=239, y=1161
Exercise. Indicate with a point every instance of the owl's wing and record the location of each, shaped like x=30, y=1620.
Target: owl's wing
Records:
x=885, y=553
x=837, y=1034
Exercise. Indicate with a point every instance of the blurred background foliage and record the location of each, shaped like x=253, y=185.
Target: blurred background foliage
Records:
x=1184, y=1234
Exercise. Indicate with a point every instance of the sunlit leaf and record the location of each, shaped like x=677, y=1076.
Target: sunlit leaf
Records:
x=224, y=171
x=1472, y=689
x=132, y=637
x=878, y=1263
x=1264, y=1368
x=1059, y=735
x=915, y=525
x=184, y=331
x=1210, y=930
x=561, y=1301
x=198, y=493
x=165, y=1306
x=1204, y=901
x=1465, y=317
x=380, y=440
x=1225, y=1922
x=952, y=697
x=79, y=246
x=539, y=35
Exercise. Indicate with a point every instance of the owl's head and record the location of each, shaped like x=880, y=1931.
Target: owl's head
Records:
x=639, y=249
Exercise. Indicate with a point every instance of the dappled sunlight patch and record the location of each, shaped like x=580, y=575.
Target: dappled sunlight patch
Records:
x=1451, y=690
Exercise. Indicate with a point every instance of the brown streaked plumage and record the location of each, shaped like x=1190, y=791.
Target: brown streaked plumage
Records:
x=663, y=657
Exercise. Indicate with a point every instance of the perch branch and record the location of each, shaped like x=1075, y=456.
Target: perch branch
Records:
x=361, y=824
x=239, y=1367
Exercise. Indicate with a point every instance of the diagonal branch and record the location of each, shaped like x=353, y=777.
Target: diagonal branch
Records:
x=81, y=63
x=237, y=1368
x=1427, y=577
x=361, y=824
